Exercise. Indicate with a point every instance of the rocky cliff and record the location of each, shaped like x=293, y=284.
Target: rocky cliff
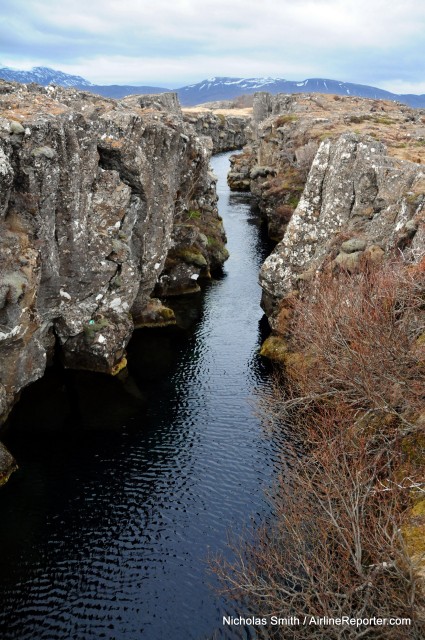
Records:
x=227, y=128
x=101, y=204
x=340, y=180
x=358, y=204
x=287, y=131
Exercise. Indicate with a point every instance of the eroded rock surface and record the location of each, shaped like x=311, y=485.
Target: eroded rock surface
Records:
x=227, y=128
x=96, y=196
x=358, y=204
x=287, y=131
x=7, y=464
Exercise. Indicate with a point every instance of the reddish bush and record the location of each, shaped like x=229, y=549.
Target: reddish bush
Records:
x=356, y=337
x=334, y=547
x=353, y=387
x=284, y=213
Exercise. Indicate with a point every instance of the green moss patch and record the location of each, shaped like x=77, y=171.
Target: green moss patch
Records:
x=275, y=348
x=191, y=255
x=94, y=327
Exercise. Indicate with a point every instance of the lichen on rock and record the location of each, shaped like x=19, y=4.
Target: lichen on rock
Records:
x=355, y=190
x=7, y=464
x=287, y=130
x=227, y=130
x=93, y=193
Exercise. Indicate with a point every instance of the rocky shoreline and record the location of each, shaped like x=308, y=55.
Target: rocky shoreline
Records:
x=340, y=182
x=105, y=205
x=337, y=179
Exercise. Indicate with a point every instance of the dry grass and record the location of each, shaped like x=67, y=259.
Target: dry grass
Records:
x=400, y=128
x=354, y=388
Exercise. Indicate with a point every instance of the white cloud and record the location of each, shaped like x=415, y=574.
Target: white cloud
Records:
x=373, y=23
x=401, y=86
x=177, y=71
x=184, y=40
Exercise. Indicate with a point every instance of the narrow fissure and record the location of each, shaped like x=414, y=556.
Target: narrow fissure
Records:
x=127, y=484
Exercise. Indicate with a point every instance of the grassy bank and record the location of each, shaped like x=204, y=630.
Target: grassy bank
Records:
x=348, y=533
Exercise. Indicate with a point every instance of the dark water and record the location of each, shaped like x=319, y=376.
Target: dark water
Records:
x=126, y=486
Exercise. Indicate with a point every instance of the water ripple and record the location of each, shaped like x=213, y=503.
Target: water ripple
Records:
x=123, y=494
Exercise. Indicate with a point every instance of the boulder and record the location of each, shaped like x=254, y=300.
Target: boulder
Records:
x=354, y=189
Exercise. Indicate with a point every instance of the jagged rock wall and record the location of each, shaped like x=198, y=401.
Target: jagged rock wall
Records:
x=228, y=132
x=358, y=204
x=338, y=179
x=97, y=198
x=288, y=130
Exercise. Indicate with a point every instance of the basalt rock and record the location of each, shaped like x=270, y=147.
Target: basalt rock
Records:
x=7, y=464
x=358, y=204
x=94, y=194
x=155, y=314
x=239, y=176
x=226, y=130
x=287, y=131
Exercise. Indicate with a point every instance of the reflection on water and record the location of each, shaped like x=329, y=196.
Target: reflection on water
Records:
x=126, y=485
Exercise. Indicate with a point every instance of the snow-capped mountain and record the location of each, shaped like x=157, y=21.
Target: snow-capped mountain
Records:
x=224, y=88
x=212, y=89
x=43, y=76
x=46, y=76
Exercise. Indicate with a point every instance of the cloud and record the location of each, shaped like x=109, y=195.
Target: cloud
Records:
x=370, y=41
x=403, y=87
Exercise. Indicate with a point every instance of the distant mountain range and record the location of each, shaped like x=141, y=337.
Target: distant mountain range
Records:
x=44, y=76
x=213, y=89
x=228, y=88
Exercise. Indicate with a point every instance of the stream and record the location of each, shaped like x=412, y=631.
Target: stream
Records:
x=127, y=486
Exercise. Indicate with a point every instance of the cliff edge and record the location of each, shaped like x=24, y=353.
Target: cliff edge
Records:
x=101, y=203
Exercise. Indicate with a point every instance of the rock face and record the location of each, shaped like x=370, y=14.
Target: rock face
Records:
x=7, y=465
x=358, y=204
x=101, y=202
x=340, y=180
x=226, y=130
x=287, y=131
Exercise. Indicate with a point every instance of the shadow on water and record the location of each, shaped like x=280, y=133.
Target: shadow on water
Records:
x=127, y=484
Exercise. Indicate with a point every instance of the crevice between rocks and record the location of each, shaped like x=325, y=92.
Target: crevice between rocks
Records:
x=111, y=160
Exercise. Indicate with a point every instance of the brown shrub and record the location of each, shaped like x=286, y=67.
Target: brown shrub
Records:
x=285, y=119
x=334, y=548
x=351, y=391
x=284, y=212
x=360, y=334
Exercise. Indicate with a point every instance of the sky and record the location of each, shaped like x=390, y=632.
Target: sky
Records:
x=173, y=43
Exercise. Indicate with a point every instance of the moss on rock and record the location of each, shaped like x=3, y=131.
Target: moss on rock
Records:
x=275, y=348
x=93, y=327
x=191, y=255
x=155, y=315
x=7, y=465
x=122, y=364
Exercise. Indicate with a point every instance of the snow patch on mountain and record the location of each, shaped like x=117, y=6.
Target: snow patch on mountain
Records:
x=212, y=89
x=43, y=76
